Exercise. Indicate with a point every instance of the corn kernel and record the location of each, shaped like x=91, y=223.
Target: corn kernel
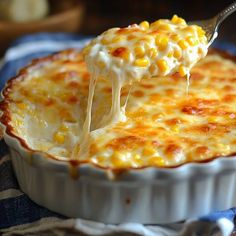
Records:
x=152, y=52
x=213, y=119
x=156, y=161
x=126, y=56
x=183, y=44
x=87, y=49
x=177, y=53
x=156, y=24
x=162, y=65
x=165, y=27
x=142, y=62
x=22, y=106
x=144, y=25
x=117, y=39
x=174, y=19
x=200, y=31
x=175, y=37
x=182, y=70
x=223, y=147
x=138, y=161
x=192, y=41
x=161, y=42
x=178, y=20
x=190, y=29
x=175, y=129
x=116, y=160
x=148, y=151
x=170, y=54
x=59, y=137
x=105, y=40
x=139, y=51
x=137, y=157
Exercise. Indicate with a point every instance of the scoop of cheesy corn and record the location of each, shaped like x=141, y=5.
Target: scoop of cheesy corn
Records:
x=145, y=50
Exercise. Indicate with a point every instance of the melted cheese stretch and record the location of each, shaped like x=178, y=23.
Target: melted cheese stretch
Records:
x=164, y=127
x=136, y=52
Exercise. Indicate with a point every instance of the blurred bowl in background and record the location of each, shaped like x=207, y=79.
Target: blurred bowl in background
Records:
x=65, y=16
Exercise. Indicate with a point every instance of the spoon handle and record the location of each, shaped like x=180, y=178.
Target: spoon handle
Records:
x=226, y=12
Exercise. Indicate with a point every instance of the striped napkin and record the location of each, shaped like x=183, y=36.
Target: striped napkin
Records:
x=20, y=216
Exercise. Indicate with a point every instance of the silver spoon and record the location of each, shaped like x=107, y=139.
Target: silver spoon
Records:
x=210, y=26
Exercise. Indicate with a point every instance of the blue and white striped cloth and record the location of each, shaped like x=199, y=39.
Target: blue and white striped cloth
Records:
x=20, y=216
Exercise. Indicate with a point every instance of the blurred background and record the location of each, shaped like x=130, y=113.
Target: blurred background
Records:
x=91, y=17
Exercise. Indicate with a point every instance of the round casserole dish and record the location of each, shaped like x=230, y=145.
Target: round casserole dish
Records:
x=147, y=195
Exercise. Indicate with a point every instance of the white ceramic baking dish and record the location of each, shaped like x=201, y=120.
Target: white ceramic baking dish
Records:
x=148, y=195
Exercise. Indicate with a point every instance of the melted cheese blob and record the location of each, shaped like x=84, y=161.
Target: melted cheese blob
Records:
x=125, y=55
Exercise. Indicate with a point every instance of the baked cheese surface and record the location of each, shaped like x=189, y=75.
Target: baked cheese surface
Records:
x=165, y=126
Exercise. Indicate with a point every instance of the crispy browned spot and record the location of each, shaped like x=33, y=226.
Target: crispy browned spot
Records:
x=170, y=92
x=228, y=88
x=174, y=121
x=49, y=102
x=107, y=89
x=199, y=106
x=229, y=98
x=202, y=150
x=216, y=128
x=73, y=85
x=154, y=97
x=219, y=111
x=119, y=52
x=147, y=86
x=127, y=30
x=86, y=76
x=72, y=99
x=195, y=76
x=126, y=143
x=138, y=93
x=172, y=149
x=131, y=36
x=154, y=32
x=192, y=110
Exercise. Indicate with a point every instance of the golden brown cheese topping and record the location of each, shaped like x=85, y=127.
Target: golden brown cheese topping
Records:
x=164, y=127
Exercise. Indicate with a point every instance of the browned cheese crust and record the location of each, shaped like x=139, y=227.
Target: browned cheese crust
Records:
x=44, y=108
